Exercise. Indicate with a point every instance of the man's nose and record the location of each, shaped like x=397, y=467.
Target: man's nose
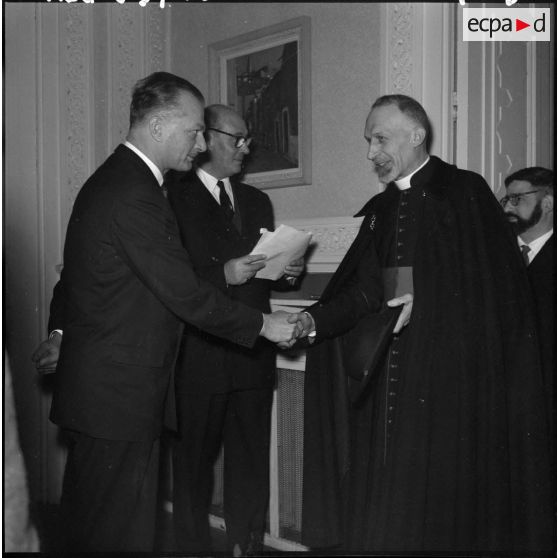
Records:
x=372, y=150
x=200, y=142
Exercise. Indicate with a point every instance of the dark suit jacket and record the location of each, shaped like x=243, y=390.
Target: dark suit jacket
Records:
x=208, y=363
x=542, y=276
x=126, y=284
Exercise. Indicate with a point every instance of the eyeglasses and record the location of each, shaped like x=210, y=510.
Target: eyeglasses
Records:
x=514, y=198
x=240, y=142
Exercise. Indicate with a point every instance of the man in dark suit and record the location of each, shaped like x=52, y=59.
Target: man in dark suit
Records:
x=224, y=392
x=126, y=285
x=529, y=207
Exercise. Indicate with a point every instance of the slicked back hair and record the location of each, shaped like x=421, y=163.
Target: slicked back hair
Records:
x=213, y=115
x=411, y=108
x=159, y=91
x=539, y=177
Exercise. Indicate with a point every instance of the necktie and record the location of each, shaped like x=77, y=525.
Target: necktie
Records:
x=525, y=253
x=225, y=201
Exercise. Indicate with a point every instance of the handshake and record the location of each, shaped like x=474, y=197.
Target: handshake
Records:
x=285, y=328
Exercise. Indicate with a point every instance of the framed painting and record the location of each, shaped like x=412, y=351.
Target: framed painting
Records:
x=265, y=76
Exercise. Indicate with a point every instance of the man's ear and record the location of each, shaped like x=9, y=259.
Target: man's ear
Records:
x=156, y=127
x=208, y=140
x=418, y=135
x=547, y=203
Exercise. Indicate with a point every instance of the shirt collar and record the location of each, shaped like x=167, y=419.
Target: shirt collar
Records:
x=535, y=245
x=153, y=167
x=538, y=242
x=210, y=182
x=405, y=182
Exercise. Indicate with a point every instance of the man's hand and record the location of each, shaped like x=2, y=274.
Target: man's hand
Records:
x=278, y=328
x=240, y=270
x=305, y=324
x=46, y=354
x=294, y=268
x=405, y=316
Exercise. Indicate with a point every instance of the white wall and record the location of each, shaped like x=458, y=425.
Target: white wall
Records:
x=346, y=78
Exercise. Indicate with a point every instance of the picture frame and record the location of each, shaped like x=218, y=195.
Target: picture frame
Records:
x=265, y=76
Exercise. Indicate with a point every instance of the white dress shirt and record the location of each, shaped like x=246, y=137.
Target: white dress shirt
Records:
x=535, y=245
x=210, y=182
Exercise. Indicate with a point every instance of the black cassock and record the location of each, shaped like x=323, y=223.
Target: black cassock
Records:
x=448, y=450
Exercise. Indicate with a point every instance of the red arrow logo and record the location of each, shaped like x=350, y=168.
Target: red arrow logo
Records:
x=519, y=25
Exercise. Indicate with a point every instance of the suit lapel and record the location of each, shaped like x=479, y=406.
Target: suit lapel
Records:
x=544, y=258
x=239, y=207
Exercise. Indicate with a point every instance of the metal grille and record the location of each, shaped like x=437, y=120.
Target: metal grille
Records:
x=217, y=500
x=290, y=425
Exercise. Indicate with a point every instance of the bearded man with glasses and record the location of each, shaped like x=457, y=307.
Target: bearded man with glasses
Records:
x=224, y=394
x=529, y=207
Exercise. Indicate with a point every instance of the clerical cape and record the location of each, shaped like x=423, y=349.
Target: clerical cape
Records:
x=449, y=450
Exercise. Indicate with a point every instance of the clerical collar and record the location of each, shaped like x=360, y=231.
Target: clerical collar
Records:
x=405, y=182
x=152, y=166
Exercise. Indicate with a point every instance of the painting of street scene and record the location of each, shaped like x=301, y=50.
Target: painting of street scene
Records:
x=263, y=86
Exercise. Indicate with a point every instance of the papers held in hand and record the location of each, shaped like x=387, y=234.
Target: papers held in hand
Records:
x=281, y=247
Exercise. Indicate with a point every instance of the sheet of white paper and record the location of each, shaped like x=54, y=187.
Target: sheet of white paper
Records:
x=281, y=246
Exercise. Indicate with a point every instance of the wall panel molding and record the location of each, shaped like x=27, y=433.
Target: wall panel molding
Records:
x=417, y=44
x=331, y=238
x=398, y=25
x=77, y=98
x=156, y=32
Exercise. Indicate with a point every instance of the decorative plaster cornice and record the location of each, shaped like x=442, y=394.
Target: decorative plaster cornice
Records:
x=331, y=238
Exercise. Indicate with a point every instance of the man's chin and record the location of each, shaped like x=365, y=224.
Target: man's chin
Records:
x=386, y=177
x=517, y=226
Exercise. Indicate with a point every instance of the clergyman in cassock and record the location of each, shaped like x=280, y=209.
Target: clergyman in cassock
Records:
x=446, y=447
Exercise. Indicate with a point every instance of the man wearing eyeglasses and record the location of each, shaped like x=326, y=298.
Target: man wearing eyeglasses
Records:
x=223, y=394
x=529, y=207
